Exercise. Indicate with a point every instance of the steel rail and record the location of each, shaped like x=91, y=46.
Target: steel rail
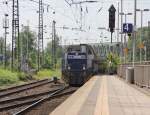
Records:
x=26, y=97
x=27, y=102
x=18, y=105
x=32, y=101
x=19, y=86
x=25, y=88
x=50, y=96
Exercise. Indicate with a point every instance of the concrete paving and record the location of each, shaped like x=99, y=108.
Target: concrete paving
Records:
x=105, y=95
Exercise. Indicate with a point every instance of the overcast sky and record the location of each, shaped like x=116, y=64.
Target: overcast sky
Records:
x=69, y=16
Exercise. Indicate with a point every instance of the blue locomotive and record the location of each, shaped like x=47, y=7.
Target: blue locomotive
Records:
x=79, y=64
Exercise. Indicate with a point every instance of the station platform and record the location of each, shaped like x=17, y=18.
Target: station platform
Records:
x=105, y=95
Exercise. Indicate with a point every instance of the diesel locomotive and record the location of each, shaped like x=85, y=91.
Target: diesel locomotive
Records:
x=79, y=63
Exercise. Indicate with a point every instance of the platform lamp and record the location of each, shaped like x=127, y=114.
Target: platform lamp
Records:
x=141, y=36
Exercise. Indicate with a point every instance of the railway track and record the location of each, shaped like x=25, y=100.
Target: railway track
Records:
x=21, y=88
x=21, y=101
x=14, y=87
x=12, y=106
x=14, y=100
x=65, y=90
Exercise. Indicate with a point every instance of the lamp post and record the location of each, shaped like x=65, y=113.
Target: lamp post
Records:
x=134, y=33
x=118, y=23
x=125, y=41
x=125, y=14
x=141, y=33
x=121, y=21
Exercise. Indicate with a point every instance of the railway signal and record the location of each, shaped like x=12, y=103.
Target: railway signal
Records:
x=112, y=11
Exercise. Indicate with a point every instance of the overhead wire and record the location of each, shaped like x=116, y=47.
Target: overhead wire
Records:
x=24, y=6
x=49, y=6
x=70, y=7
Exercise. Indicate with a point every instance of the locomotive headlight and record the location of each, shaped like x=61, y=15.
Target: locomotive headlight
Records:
x=69, y=67
x=84, y=68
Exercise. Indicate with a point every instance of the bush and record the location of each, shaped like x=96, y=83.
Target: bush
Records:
x=8, y=77
x=112, y=62
x=24, y=77
x=48, y=73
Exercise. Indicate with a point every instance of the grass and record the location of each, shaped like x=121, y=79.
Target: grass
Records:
x=48, y=73
x=9, y=78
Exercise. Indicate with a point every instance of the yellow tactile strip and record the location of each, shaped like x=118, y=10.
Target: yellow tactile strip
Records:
x=102, y=102
x=73, y=105
x=88, y=108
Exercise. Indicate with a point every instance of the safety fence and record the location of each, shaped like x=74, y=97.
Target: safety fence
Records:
x=141, y=73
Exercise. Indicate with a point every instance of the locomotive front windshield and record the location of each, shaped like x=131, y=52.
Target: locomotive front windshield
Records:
x=74, y=49
x=76, y=58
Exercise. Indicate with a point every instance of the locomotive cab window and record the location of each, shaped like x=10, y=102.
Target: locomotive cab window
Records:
x=74, y=49
x=89, y=52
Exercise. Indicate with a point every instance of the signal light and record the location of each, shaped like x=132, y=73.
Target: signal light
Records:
x=112, y=11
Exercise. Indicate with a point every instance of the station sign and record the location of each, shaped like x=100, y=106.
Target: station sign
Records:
x=141, y=45
x=127, y=28
x=126, y=50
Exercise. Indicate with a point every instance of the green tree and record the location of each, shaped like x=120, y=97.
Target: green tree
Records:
x=145, y=40
x=28, y=46
x=112, y=62
x=48, y=53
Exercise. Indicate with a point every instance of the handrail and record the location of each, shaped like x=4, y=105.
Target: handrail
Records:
x=143, y=62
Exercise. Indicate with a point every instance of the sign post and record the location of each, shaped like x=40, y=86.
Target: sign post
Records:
x=127, y=29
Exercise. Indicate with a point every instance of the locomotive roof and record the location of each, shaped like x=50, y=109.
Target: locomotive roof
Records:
x=77, y=45
x=78, y=48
